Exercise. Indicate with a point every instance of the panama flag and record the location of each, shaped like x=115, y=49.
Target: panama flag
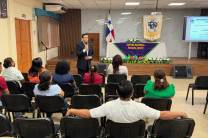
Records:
x=110, y=38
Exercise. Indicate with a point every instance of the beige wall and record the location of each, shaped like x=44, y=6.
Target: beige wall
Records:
x=7, y=26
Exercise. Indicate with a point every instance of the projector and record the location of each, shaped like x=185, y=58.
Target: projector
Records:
x=156, y=13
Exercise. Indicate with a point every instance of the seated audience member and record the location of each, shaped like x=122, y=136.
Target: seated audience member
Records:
x=62, y=75
x=117, y=66
x=124, y=109
x=44, y=87
x=160, y=88
x=35, y=70
x=93, y=77
x=10, y=73
x=3, y=87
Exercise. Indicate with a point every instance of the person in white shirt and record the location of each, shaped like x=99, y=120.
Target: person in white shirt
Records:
x=125, y=110
x=117, y=66
x=10, y=73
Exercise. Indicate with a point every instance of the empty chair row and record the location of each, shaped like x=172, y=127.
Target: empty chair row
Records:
x=75, y=127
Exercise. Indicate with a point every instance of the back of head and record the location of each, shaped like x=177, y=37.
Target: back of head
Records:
x=45, y=81
x=125, y=89
x=93, y=69
x=36, y=66
x=160, y=80
x=117, y=61
x=8, y=62
x=62, y=67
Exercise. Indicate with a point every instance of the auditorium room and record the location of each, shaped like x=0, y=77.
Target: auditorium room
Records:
x=104, y=68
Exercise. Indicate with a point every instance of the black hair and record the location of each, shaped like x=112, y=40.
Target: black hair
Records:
x=117, y=61
x=84, y=35
x=93, y=69
x=62, y=67
x=44, y=78
x=0, y=63
x=8, y=62
x=36, y=67
x=125, y=89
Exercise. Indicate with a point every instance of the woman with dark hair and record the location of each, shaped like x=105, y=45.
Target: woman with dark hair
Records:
x=62, y=75
x=117, y=66
x=160, y=88
x=10, y=73
x=45, y=87
x=35, y=70
x=93, y=77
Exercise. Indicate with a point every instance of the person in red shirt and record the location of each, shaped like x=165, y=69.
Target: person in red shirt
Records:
x=3, y=86
x=35, y=70
x=93, y=77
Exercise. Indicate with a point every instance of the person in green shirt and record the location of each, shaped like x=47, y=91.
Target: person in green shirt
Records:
x=160, y=88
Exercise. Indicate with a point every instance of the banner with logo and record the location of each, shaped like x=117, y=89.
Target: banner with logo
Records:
x=138, y=49
x=152, y=26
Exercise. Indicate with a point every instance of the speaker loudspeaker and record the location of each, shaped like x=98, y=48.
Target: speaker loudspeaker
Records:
x=182, y=71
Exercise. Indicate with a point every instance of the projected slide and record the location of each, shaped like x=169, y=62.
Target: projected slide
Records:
x=197, y=29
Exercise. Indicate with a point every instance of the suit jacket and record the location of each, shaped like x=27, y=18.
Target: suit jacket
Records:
x=81, y=62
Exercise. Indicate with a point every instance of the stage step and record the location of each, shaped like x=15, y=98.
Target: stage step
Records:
x=200, y=66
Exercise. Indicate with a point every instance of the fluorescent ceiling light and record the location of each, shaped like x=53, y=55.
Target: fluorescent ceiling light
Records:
x=125, y=13
x=176, y=4
x=132, y=3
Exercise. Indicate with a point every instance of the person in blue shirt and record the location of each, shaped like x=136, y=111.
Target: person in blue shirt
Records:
x=62, y=75
x=45, y=87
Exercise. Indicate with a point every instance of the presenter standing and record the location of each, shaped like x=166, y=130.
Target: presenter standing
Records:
x=85, y=54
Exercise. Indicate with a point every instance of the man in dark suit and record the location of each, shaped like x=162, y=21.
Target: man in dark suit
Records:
x=85, y=54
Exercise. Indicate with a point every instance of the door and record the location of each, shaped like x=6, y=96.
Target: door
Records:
x=23, y=44
x=94, y=39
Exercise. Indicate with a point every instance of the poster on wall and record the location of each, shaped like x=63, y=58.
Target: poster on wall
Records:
x=152, y=26
x=3, y=8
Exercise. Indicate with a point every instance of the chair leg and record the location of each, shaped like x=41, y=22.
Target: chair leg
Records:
x=205, y=108
x=187, y=92
x=33, y=114
x=192, y=96
x=9, y=116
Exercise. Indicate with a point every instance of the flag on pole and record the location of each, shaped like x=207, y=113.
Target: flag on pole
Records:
x=110, y=38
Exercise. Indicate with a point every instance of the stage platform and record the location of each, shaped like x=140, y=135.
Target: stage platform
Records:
x=200, y=66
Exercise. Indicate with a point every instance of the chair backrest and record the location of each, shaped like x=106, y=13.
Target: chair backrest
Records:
x=110, y=88
x=13, y=87
x=160, y=104
x=16, y=102
x=125, y=130
x=139, y=90
x=201, y=82
x=140, y=79
x=102, y=68
x=110, y=98
x=34, y=127
x=6, y=127
x=75, y=127
x=28, y=88
x=78, y=79
x=176, y=128
x=68, y=89
x=50, y=104
x=103, y=78
x=85, y=101
x=25, y=75
x=89, y=89
x=116, y=78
